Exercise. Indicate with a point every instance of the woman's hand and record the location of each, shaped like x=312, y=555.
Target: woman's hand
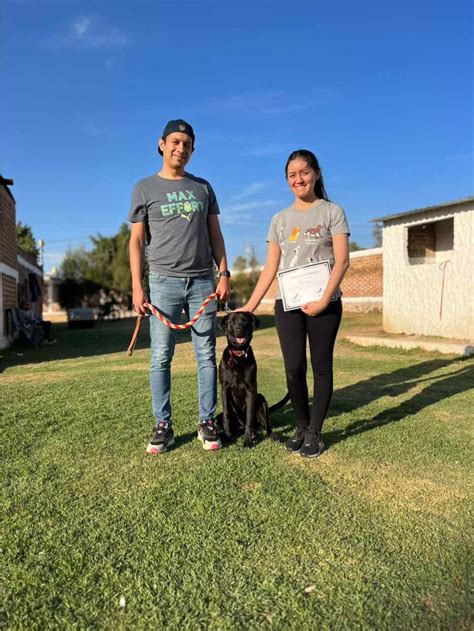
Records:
x=244, y=308
x=313, y=308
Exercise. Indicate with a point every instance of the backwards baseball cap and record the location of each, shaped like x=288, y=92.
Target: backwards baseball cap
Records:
x=178, y=126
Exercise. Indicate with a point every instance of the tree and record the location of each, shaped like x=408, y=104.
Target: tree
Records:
x=90, y=276
x=244, y=282
x=26, y=239
x=377, y=234
x=355, y=247
x=75, y=264
x=240, y=263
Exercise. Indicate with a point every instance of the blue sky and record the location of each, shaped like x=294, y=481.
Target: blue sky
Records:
x=380, y=91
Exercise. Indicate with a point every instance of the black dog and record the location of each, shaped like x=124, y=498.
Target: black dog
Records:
x=243, y=407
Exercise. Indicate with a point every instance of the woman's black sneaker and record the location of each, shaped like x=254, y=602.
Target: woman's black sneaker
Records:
x=313, y=445
x=296, y=441
x=163, y=437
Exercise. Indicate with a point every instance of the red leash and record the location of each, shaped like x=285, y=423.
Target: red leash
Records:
x=180, y=327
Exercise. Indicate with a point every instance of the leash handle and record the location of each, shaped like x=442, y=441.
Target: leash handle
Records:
x=133, y=341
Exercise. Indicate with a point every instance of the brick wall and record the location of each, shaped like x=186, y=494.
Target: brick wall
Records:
x=364, y=278
x=422, y=241
x=8, y=297
x=8, y=246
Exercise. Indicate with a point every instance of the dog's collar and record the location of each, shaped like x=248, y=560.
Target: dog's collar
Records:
x=234, y=355
x=238, y=353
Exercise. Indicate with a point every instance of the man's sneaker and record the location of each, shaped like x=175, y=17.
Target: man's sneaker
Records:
x=208, y=434
x=296, y=441
x=163, y=437
x=313, y=445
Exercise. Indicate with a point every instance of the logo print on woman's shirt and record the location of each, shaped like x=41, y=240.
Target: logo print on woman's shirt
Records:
x=312, y=235
x=295, y=233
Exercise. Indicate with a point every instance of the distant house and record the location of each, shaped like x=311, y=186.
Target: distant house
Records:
x=428, y=263
x=21, y=278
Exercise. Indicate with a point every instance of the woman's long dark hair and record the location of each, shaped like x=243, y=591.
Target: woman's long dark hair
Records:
x=312, y=161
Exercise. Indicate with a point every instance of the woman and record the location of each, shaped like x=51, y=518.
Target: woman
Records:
x=312, y=229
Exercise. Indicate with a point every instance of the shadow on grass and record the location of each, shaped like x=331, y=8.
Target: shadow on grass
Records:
x=393, y=384
x=112, y=336
x=443, y=387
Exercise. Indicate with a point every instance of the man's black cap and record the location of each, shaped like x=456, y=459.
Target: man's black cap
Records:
x=178, y=126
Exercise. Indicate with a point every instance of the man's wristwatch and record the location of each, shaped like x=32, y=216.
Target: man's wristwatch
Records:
x=225, y=273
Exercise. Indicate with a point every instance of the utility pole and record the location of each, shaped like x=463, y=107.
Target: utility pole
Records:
x=41, y=245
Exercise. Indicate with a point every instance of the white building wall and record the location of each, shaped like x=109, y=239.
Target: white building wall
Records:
x=415, y=301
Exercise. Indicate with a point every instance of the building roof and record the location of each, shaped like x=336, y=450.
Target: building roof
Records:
x=406, y=213
x=6, y=182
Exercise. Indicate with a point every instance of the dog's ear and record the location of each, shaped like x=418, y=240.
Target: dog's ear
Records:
x=223, y=322
x=256, y=321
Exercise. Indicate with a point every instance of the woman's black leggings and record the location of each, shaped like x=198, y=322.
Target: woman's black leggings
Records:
x=293, y=328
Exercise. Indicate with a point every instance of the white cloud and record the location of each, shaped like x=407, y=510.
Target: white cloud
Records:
x=240, y=214
x=81, y=26
x=237, y=208
x=251, y=189
x=270, y=102
x=90, y=32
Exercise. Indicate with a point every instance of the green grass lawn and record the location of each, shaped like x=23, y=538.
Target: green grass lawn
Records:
x=374, y=534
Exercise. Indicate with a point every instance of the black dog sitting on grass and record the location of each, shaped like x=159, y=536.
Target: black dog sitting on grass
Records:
x=244, y=408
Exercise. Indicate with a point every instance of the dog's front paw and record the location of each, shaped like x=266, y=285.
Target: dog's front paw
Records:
x=248, y=441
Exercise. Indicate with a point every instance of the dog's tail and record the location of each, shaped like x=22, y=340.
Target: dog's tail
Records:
x=280, y=404
x=274, y=435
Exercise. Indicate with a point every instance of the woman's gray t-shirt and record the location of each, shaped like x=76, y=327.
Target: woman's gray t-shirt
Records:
x=305, y=236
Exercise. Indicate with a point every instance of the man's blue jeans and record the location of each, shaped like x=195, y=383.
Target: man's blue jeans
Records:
x=171, y=295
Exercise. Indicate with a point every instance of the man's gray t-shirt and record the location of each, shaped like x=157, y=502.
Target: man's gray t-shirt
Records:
x=175, y=213
x=305, y=236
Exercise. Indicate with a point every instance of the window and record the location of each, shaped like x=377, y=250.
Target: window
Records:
x=430, y=242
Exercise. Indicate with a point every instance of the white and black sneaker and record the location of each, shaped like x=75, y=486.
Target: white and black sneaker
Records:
x=162, y=439
x=208, y=434
x=313, y=445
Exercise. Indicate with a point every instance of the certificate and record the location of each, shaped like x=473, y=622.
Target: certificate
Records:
x=303, y=284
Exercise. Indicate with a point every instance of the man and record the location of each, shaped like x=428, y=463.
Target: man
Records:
x=175, y=214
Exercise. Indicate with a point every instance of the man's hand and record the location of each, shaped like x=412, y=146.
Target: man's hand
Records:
x=313, y=308
x=223, y=288
x=138, y=299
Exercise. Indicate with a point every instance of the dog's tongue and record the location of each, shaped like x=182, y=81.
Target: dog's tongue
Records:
x=240, y=340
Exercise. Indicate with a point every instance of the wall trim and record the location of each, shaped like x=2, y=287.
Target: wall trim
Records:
x=8, y=271
x=362, y=298
x=360, y=253
x=24, y=263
